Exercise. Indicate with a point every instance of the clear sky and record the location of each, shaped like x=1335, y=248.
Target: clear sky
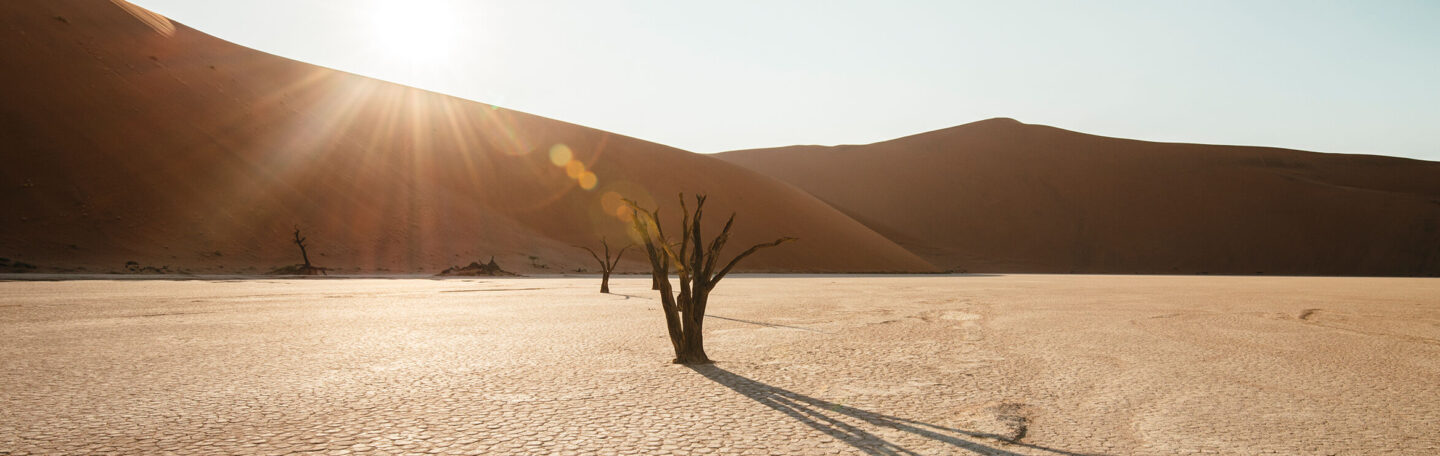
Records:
x=1348, y=76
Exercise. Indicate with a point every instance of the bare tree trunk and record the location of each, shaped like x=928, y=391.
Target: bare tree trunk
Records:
x=696, y=267
x=693, y=350
x=606, y=265
x=672, y=319
x=307, y=269
x=300, y=241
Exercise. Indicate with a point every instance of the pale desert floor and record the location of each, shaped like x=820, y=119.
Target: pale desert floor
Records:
x=1016, y=364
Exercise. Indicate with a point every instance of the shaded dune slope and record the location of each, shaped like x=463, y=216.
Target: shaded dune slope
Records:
x=1003, y=196
x=130, y=137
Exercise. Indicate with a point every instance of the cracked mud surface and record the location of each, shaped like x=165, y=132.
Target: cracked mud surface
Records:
x=1023, y=364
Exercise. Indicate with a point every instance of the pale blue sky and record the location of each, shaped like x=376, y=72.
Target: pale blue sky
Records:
x=1355, y=77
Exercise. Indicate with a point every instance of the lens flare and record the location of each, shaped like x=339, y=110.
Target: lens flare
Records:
x=560, y=154
x=574, y=169
x=588, y=180
x=611, y=202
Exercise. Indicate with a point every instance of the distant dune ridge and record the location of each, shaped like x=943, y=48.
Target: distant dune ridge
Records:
x=1002, y=196
x=131, y=138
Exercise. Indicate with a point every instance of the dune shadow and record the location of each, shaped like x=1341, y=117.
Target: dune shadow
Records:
x=837, y=420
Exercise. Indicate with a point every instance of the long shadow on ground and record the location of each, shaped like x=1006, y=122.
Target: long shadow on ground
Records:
x=761, y=323
x=826, y=417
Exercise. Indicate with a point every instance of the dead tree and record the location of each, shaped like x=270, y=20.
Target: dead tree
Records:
x=606, y=266
x=307, y=268
x=695, y=264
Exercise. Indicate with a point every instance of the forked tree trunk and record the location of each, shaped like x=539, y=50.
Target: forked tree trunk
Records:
x=606, y=265
x=693, y=349
x=695, y=265
x=307, y=268
x=300, y=241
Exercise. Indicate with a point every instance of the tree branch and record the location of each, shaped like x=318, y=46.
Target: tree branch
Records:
x=716, y=245
x=619, y=254
x=746, y=253
x=641, y=220
x=697, y=257
x=592, y=254
x=684, y=234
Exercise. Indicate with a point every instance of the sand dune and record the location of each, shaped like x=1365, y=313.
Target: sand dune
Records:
x=1003, y=196
x=128, y=137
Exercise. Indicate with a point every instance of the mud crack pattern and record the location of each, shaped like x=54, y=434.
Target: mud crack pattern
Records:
x=1056, y=365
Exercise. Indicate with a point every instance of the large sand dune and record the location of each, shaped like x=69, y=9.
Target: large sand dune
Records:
x=999, y=195
x=128, y=137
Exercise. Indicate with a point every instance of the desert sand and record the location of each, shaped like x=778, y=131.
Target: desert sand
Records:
x=1010, y=364
x=1004, y=196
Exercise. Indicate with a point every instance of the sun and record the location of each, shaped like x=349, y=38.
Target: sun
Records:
x=415, y=31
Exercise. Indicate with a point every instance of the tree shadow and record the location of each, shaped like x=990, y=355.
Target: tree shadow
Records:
x=761, y=323
x=825, y=416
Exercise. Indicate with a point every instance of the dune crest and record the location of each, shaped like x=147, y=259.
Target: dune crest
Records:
x=999, y=195
x=155, y=21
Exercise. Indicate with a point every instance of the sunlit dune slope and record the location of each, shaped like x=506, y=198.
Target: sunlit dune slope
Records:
x=999, y=195
x=127, y=137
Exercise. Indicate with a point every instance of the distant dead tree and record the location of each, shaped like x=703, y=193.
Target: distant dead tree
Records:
x=606, y=265
x=695, y=264
x=300, y=241
x=306, y=268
